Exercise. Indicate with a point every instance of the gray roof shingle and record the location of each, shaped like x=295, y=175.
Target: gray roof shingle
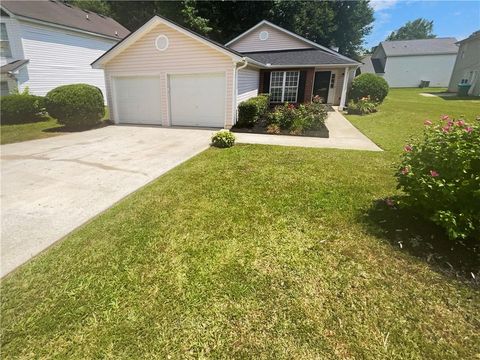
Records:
x=298, y=57
x=57, y=12
x=420, y=47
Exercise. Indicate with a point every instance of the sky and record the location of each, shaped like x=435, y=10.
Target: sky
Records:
x=450, y=18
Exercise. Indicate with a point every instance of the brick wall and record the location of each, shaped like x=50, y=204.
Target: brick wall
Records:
x=309, y=79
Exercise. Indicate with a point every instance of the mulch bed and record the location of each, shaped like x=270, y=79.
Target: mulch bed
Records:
x=261, y=128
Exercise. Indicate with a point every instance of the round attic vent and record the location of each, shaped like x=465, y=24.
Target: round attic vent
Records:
x=161, y=42
x=263, y=35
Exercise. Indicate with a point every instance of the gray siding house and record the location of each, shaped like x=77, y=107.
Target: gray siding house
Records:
x=467, y=65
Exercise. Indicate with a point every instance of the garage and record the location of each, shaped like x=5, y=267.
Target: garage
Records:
x=137, y=99
x=197, y=99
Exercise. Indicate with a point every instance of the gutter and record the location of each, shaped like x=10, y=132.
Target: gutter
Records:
x=235, y=90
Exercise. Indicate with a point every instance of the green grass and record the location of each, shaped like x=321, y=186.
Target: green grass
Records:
x=31, y=131
x=253, y=252
x=36, y=130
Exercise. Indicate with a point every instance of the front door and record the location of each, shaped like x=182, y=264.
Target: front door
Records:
x=322, y=84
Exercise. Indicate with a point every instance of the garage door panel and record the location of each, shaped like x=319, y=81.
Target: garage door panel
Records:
x=137, y=99
x=197, y=99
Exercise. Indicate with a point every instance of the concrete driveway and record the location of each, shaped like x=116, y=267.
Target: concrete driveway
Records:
x=52, y=186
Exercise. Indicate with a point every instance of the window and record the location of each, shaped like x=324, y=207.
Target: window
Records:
x=284, y=86
x=4, y=43
x=161, y=42
x=332, y=81
x=4, y=90
x=263, y=35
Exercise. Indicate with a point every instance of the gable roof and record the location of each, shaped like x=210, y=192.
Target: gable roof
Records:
x=309, y=42
x=298, y=57
x=149, y=25
x=60, y=13
x=371, y=65
x=435, y=46
x=473, y=36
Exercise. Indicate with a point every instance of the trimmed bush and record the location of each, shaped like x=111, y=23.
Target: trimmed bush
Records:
x=223, y=139
x=21, y=108
x=251, y=110
x=76, y=105
x=441, y=176
x=362, y=107
x=369, y=85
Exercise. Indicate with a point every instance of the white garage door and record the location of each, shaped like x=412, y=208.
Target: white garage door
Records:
x=137, y=99
x=197, y=100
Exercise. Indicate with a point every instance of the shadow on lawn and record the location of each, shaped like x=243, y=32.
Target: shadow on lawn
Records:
x=406, y=231
x=66, y=129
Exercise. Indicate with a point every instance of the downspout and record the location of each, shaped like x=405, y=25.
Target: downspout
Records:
x=235, y=90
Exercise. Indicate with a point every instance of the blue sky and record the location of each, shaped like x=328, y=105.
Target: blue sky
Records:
x=450, y=18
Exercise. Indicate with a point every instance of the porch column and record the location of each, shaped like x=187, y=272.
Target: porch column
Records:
x=309, y=80
x=344, y=89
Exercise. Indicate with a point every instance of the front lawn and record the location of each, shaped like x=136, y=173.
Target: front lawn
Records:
x=254, y=252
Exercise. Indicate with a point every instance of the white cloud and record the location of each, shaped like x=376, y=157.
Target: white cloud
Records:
x=379, y=5
x=382, y=18
x=457, y=13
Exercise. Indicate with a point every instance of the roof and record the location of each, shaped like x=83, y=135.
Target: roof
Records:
x=367, y=66
x=473, y=36
x=154, y=21
x=59, y=13
x=420, y=47
x=299, y=57
x=313, y=44
x=12, y=66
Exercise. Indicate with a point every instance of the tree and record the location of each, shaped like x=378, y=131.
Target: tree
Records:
x=416, y=29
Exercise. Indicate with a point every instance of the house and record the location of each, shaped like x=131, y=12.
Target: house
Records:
x=467, y=65
x=165, y=74
x=45, y=44
x=405, y=63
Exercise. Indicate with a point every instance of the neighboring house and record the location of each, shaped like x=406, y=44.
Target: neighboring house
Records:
x=467, y=65
x=167, y=75
x=405, y=63
x=45, y=44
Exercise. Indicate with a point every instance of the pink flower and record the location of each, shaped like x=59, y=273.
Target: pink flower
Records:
x=469, y=129
x=460, y=123
x=389, y=202
x=446, y=129
x=405, y=170
x=433, y=173
x=407, y=148
x=444, y=117
x=450, y=123
x=427, y=122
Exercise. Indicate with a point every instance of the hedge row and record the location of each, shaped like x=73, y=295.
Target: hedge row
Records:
x=251, y=110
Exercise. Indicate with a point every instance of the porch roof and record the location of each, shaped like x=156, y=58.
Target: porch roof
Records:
x=298, y=57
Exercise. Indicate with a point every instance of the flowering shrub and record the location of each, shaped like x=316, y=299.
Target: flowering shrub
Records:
x=223, y=139
x=361, y=107
x=441, y=176
x=298, y=119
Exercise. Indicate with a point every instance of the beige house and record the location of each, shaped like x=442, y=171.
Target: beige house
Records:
x=165, y=74
x=467, y=65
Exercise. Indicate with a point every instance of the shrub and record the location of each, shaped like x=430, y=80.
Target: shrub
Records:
x=441, y=176
x=370, y=85
x=76, y=105
x=223, y=139
x=362, y=106
x=21, y=108
x=251, y=110
x=299, y=119
x=273, y=129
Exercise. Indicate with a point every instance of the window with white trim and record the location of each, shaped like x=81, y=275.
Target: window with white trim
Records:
x=284, y=86
x=4, y=43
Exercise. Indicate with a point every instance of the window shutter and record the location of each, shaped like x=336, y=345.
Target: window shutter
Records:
x=301, y=86
x=266, y=82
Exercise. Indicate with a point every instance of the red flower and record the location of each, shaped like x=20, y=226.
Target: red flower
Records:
x=460, y=123
x=469, y=129
x=446, y=129
x=450, y=123
x=445, y=117
x=405, y=170
x=291, y=106
x=427, y=122
x=433, y=173
x=407, y=148
x=389, y=202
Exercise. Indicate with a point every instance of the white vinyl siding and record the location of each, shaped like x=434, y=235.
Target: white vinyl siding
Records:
x=284, y=86
x=185, y=55
x=467, y=63
x=408, y=71
x=247, y=84
x=59, y=57
x=277, y=40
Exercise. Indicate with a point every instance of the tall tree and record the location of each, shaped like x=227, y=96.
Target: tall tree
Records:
x=417, y=29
